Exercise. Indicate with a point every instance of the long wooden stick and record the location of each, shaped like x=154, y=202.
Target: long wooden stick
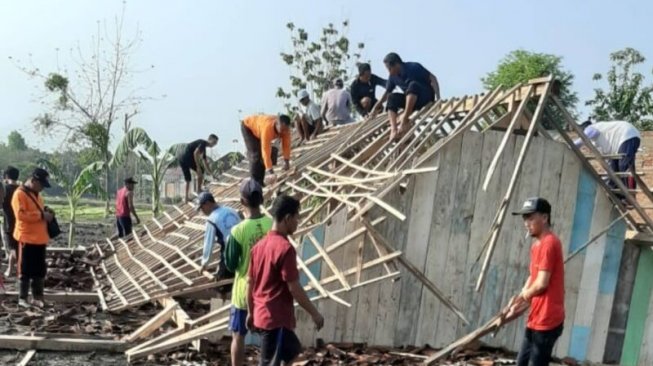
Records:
x=595, y=237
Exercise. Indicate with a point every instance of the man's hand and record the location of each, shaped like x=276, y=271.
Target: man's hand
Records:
x=48, y=216
x=318, y=319
x=286, y=165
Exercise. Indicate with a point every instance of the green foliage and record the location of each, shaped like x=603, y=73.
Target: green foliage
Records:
x=138, y=142
x=16, y=141
x=520, y=66
x=627, y=97
x=75, y=187
x=314, y=63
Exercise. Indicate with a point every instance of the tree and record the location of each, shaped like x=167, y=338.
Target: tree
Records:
x=315, y=63
x=627, y=97
x=520, y=66
x=15, y=141
x=87, y=100
x=138, y=141
x=75, y=187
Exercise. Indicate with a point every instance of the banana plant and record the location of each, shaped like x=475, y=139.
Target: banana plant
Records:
x=86, y=182
x=137, y=141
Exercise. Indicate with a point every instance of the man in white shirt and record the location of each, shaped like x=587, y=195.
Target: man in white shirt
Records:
x=336, y=104
x=612, y=138
x=309, y=120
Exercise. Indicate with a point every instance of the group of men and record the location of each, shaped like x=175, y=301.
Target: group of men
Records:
x=25, y=232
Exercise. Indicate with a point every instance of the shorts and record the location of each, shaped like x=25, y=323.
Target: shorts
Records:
x=238, y=321
x=311, y=128
x=425, y=95
x=186, y=166
x=10, y=242
x=278, y=345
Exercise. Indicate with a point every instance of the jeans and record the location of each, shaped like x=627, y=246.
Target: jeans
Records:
x=627, y=163
x=537, y=346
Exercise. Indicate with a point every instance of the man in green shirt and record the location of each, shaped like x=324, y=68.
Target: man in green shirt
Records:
x=243, y=237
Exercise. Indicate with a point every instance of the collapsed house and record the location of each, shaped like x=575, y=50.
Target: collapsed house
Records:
x=412, y=241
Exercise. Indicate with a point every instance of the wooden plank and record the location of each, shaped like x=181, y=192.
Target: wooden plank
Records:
x=164, y=262
x=27, y=358
x=113, y=285
x=634, y=351
x=131, y=279
x=62, y=297
x=62, y=343
x=143, y=266
x=153, y=324
x=328, y=261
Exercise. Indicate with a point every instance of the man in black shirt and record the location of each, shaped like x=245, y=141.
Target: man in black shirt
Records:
x=363, y=89
x=11, y=245
x=193, y=158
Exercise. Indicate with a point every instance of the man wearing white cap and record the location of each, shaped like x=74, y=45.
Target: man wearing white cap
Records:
x=308, y=121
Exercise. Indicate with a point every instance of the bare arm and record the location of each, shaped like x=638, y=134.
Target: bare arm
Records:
x=435, y=85
x=132, y=207
x=538, y=286
x=379, y=104
x=302, y=299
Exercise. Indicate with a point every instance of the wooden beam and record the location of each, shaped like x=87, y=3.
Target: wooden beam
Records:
x=27, y=358
x=153, y=324
x=59, y=297
x=594, y=238
x=328, y=260
x=64, y=342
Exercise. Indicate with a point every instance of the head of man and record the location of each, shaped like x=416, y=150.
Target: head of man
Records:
x=364, y=72
x=282, y=125
x=130, y=183
x=206, y=203
x=251, y=194
x=11, y=173
x=39, y=180
x=338, y=83
x=536, y=213
x=285, y=211
x=212, y=140
x=303, y=97
x=393, y=63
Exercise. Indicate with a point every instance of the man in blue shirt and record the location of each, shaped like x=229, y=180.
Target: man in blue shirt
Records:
x=218, y=228
x=363, y=89
x=419, y=86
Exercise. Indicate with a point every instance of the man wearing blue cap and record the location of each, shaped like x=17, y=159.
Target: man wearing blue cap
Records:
x=219, y=222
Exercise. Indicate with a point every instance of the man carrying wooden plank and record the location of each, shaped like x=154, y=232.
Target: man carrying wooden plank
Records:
x=258, y=133
x=194, y=158
x=237, y=256
x=544, y=288
x=221, y=219
x=274, y=284
x=125, y=208
x=420, y=87
x=613, y=138
x=309, y=120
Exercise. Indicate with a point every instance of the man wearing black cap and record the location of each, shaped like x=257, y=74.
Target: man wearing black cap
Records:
x=363, y=89
x=125, y=208
x=545, y=287
x=219, y=222
x=194, y=158
x=237, y=255
x=31, y=231
x=11, y=184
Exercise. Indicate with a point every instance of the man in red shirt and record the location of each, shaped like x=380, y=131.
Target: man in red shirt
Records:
x=544, y=288
x=274, y=284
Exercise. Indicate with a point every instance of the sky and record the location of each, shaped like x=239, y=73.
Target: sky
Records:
x=209, y=63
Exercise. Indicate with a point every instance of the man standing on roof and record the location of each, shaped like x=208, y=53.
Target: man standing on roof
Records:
x=612, y=138
x=309, y=120
x=125, y=208
x=221, y=219
x=31, y=231
x=237, y=256
x=363, y=89
x=11, y=184
x=420, y=87
x=545, y=287
x=274, y=286
x=336, y=104
x=258, y=132
x=194, y=158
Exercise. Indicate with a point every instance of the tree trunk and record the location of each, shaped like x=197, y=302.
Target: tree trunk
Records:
x=71, y=227
x=107, y=203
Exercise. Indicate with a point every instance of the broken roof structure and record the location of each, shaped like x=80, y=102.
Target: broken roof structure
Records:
x=431, y=208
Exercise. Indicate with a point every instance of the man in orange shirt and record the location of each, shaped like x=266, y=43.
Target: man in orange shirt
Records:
x=31, y=232
x=544, y=288
x=259, y=132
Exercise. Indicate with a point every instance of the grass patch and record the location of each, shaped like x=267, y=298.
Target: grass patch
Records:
x=90, y=210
